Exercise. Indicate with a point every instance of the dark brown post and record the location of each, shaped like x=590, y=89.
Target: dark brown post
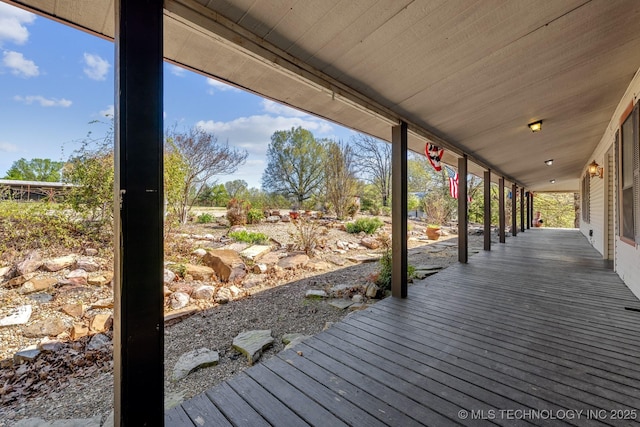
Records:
x=463, y=212
x=138, y=350
x=399, y=212
x=487, y=210
x=514, y=210
x=528, y=210
x=522, y=210
x=501, y=206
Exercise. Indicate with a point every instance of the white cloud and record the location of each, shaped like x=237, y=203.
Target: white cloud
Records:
x=177, y=71
x=44, y=102
x=96, y=68
x=272, y=107
x=107, y=112
x=218, y=85
x=12, y=20
x=19, y=65
x=8, y=148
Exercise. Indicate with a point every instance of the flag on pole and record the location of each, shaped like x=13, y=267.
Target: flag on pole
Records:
x=453, y=182
x=434, y=154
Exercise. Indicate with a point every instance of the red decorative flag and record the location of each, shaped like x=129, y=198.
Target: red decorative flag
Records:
x=453, y=182
x=434, y=154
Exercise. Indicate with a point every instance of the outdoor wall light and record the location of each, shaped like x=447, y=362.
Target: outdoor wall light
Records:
x=548, y=162
x=535, y=126
x=595, y=169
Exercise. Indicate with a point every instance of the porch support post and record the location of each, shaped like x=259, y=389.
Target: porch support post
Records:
x=528, y=210
x=463, y=212
x=532, y=207
x=487, y=210
x=501, y=206
x=399, y=210
x=522, y=209
x=138, y=350
x=514, y=211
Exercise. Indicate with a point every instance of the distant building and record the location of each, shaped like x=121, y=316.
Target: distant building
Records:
x=32, y=190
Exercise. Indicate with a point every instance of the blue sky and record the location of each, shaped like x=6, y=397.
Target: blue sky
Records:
x=55, y=81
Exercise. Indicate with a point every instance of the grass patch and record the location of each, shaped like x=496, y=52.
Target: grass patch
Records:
x=368, y=225
x=249, y=237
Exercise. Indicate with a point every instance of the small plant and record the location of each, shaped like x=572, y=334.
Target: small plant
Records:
x=307, y=235
x=249, y=237
x=205, y=218
x=254, y=216
x=237, y=211
x=368, y=225
x=383, y=277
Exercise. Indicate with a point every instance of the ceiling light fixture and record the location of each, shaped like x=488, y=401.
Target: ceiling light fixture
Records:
x=535, y=126
x=596, y=169
x=553, y=181
x=548, y=162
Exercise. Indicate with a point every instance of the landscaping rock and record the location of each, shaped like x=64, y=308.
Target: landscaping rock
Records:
x=291, y=340
x=79, y=330
x=18, y=280
x=223, y=296
x=100, y=279
x=74, y=310
x=337, y=260
x=226, y=263
x=45, y=328
x=370, y=242
x=41, y=297
x=372, y=290
x=169, y=276
x=204, y=292
x=36, y=285
x=293, y=261
x=18, y=316
x=77, y=277
x=193, y=360
x=259, y=268
x=357, y=299
x=252, y=343
x=87, y=264
x=101, y=322
x=199, y=272
x=254, y=252
x=4, y=272
x=341, y=303
x=235, y=291
x=362, y=258
x=57, y=264
x=103, y=303
x=50, y=345
x=273, y=219
x=199, y=252
x=315, y=293
x=28, y=354
x=76, y=422
x=90, y=252
x=178, y=300
x=318, y=265
x=98, y=341
x=30, y=263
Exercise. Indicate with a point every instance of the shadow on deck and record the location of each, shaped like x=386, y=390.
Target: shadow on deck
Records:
x=537, y=331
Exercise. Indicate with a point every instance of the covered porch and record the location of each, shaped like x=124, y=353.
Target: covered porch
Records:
x=538, y=331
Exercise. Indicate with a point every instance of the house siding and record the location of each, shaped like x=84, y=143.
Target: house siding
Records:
x=626, y=256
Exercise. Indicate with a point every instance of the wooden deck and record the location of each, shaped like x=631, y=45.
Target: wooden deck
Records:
x=537, y=331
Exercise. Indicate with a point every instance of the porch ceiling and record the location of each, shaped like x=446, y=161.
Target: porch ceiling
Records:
x=466, y=74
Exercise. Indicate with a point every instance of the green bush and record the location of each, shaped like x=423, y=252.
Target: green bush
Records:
x=383, y=279
x=205, y=218
x=254, y=216
x=368, y=225
x=249, y=237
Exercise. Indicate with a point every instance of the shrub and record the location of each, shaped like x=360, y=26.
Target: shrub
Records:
x=249, y=237
x=205, y=218
x=307, y=236
x=368, y=225
x=254, y=216
x=383, y=279
x=237, y=212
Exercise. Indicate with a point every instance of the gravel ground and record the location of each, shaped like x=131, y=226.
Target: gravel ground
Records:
x=282, y=308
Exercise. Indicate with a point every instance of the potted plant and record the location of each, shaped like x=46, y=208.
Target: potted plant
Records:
x=433, y=232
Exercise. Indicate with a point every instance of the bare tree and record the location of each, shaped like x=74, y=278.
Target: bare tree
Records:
x=373, y=162
x=192, y=158
x=340, y=181
x=294, y=168
x=236, y=188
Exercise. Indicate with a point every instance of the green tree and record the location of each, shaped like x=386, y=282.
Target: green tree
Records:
x=236, y=189
x=413, y=203
x=198, y=156
x=45, y=170
x=219, y=195
x=339, y=177
x=295, y=164
x=419, y=174
x=556, y=209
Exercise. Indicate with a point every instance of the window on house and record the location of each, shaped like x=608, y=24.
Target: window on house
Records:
x=628, y=161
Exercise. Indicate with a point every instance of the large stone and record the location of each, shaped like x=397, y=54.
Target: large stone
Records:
x=18, y=280
x=315, y=294
x=100, y=279
x=370, y=242
x=169, y=276
x=103, y=303
x=337, y=260
x=199, y=272
x=259, y=268
x=254, y=252
x=79, y=330
x=178, y=300
x=4, y=271
x=294, y=261
x=291, y=340
x=226, y=263
x=364, y=258
x=193, y=360
x=77, y=277
x=57, y=264
x=98, y=341
x=75, y=422
x=45, y=328
x=341, y=303
x=372, y=290
x=87, y=264
x=318, y=265
x=223, y=296
x=253, y=343
x=28, y=354
x=101, y=322
x=73, y=309
x=204, y=292
x=50, y=345
x=31, y=263
x=38, y=284
x=199, y=252
x=18, y=316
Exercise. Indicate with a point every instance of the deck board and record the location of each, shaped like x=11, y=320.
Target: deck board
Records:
x=538, y=323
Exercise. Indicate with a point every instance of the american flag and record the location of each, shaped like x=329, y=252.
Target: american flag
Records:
x=453, y=182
